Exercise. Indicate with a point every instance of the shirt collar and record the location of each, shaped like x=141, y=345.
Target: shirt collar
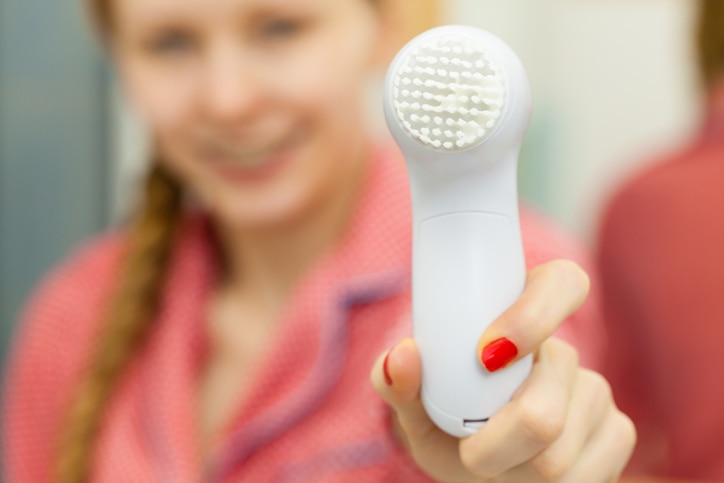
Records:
x=370, y=262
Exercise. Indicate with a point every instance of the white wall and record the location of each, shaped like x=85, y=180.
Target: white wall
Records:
x=614, y=85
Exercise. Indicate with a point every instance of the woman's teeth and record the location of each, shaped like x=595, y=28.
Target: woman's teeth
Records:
x=249, y=157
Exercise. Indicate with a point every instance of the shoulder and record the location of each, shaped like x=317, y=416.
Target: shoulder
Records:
x=51, y=344
x=66, y=308
x=636, y=193
x=687, y=178
x=76, y=290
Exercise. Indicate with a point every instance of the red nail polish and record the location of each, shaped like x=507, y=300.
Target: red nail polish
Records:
x=498, y=354
x=386, y=370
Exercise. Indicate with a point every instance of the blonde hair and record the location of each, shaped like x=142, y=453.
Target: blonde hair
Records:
x=127, y=322
x=132, y=309
x=710, y=41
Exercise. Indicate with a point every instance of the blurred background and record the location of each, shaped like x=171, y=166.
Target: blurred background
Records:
x=613, y=83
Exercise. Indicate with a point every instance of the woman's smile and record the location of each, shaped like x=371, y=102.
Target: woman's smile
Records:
x=246, y=161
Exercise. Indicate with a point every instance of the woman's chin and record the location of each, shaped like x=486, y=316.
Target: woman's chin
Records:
x=260, y=214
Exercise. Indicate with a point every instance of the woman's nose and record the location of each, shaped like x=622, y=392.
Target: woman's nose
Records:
x=232, y=91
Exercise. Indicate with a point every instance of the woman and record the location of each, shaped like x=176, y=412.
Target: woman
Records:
x=228, y=333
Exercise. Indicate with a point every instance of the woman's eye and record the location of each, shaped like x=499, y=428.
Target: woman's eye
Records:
x=281, y=29
x=173, y=43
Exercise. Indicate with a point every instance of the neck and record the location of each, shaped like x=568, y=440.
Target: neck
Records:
x=265, y=263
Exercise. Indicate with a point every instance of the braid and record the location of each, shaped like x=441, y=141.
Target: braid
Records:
x=128, y=322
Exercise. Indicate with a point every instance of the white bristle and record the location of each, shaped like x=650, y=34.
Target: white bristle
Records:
x=449, y=81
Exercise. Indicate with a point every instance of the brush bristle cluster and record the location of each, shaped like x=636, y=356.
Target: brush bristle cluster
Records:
x=448, y=95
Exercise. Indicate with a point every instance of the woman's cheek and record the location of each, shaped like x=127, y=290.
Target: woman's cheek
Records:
x=162, y=101
x=317, y=75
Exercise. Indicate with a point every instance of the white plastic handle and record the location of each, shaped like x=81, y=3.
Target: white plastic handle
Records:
x=468, y=261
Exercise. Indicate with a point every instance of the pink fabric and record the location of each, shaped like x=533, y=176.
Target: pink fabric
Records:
x=661, y=263
x=311, y=414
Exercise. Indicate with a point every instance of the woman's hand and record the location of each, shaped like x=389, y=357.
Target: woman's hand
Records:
x=561, y=425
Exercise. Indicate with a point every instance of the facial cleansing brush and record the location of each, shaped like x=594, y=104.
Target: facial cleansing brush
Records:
x=458, y=103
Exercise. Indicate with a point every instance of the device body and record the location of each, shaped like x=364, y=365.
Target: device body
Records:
x=468, y=261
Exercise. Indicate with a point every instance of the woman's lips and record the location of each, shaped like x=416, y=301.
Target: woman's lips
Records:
x=244, y=163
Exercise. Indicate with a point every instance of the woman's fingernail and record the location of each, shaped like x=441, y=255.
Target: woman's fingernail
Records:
x=386, y=369
x=498, y=354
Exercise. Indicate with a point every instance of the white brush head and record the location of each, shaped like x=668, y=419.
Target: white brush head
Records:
x=453, y=89
x=448, y=93
x=457, y=102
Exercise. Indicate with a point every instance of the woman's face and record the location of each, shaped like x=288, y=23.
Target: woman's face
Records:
x=254, y=104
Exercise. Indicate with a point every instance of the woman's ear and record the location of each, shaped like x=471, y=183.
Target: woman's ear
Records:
x=400, y=21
